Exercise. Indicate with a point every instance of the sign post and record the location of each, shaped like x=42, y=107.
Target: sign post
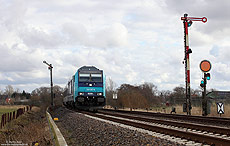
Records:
x=115, y=100
x=187, y=23
x=114, y=95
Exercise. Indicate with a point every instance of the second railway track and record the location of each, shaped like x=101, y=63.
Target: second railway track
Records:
x=211, y=135
x=209, y=120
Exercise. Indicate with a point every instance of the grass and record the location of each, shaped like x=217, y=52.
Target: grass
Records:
x=28, y=128
x=196, y=111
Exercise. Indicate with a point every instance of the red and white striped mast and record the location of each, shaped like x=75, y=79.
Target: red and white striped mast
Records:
x=187, y=23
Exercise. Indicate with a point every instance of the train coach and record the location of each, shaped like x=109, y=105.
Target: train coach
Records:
x=86, y=89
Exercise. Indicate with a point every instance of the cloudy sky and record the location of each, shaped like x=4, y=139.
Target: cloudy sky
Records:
x=133, y=41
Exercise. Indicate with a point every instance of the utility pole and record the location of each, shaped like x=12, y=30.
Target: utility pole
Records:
x=187, y=23
x=50, y=67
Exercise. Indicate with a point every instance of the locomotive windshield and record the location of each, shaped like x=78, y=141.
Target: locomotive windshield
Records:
x=84, y=77
x=96, y=78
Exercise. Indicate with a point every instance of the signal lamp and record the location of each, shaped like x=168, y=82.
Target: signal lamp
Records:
x=202, y=83
x=189, y=51
x=189, y=23
x=207, y=76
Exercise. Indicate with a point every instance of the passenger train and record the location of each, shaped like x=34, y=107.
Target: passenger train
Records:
x=86, y=89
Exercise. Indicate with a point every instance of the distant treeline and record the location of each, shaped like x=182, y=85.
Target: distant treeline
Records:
x=147, y=95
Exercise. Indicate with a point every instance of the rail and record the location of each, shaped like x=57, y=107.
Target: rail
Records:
x=177, y=132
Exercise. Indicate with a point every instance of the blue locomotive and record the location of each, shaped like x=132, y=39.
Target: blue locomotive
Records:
x=86, y=89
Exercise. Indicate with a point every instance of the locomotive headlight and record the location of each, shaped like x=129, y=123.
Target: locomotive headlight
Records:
x=81, y=93
x=99, y=94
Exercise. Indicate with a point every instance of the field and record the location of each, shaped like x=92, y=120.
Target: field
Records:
x=8, y=108
x=196, y=111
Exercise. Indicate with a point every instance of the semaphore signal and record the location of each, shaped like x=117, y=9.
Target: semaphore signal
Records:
x=187, y=23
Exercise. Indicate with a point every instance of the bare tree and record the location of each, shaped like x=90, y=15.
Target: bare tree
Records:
x=178, y=95
x=9, y=90
x=42, y=95
x=165, y=95
x=17, y=90
x=1, y=92
x=196, y=93
x=110, y=85
x=110, y=89
x=58, y=92
x=149, y=91
x=131, y=96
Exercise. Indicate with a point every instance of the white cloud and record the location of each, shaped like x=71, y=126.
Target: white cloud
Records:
x=39, y=38
x=132, y=41
x=115, y=35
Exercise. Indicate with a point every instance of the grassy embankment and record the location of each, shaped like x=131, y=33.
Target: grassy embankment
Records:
x=31, y=127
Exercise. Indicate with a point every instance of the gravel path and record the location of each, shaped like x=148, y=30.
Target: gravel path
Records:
x=79, y=129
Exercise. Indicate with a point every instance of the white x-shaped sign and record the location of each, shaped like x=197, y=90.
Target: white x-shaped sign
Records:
x=220, y=108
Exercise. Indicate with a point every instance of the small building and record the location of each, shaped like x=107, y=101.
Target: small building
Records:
x=217, y=96
x=9, y=101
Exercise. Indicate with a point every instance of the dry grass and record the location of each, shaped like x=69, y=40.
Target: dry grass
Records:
x=9, y=108
x=28, y=128
x=196, y=111
x=213, y=111
x=226, y=111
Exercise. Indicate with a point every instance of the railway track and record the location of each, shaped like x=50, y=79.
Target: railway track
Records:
x=198, y=127
x=211, y=135
x=208, y=120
